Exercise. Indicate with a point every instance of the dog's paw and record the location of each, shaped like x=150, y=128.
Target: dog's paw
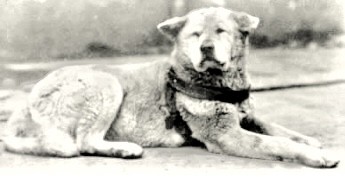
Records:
x=66, y=153
x=319, y=159
x=128, y=150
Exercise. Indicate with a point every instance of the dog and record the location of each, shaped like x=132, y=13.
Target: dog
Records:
x=201, y=95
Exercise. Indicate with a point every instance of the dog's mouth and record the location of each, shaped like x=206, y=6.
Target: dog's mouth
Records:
x=211, y=64
x=214, y=71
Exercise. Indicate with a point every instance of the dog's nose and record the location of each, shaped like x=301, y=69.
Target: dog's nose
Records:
x=207, y=47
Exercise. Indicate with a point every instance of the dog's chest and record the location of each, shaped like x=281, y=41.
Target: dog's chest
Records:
x=198, y=111
x=143, y=112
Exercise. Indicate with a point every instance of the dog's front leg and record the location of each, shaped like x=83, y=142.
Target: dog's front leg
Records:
x=243, y=143
x=218, y=126
x=223, y=135
x=256, y=125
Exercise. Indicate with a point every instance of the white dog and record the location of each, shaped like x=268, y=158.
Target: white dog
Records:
x=200, y=95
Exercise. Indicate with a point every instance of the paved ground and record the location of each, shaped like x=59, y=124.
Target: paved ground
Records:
x=314, y=111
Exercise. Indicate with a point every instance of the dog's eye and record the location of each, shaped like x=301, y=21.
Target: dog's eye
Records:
x=196, y=34
x=219, y=30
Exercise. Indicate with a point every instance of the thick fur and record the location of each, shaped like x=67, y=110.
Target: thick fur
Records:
x=115, y=110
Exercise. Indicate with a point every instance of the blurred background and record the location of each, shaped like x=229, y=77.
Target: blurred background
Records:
x=32, y=30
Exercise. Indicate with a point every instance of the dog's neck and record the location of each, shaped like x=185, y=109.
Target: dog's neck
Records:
x=230, y=87
x=199, y=91
x=235, y=79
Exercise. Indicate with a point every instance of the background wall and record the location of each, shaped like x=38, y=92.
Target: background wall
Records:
x=45, y=29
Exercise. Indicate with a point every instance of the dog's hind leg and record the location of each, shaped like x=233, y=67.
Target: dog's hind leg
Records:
x=273, y=129
x=96, y=121
x=25, y=136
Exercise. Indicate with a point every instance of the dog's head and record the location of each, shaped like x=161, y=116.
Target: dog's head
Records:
x=210, y=38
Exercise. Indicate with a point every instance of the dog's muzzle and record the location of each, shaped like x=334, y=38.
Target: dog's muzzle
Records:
x=208, y=58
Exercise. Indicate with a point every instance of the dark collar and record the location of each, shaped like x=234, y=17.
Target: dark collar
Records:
x=175, y=84
x=223, y=94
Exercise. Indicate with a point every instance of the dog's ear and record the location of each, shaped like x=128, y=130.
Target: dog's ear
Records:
x=247, y=23
x=172, y=27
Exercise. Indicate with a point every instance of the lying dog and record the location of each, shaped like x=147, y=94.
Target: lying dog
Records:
x=200, y=95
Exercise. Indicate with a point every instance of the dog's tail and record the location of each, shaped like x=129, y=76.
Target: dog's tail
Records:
x=22, y=145
x=13, y=101
x=26, y=137
x=20, y=133
x=9, y=101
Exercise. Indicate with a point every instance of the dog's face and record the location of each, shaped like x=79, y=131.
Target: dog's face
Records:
x=210, y=38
